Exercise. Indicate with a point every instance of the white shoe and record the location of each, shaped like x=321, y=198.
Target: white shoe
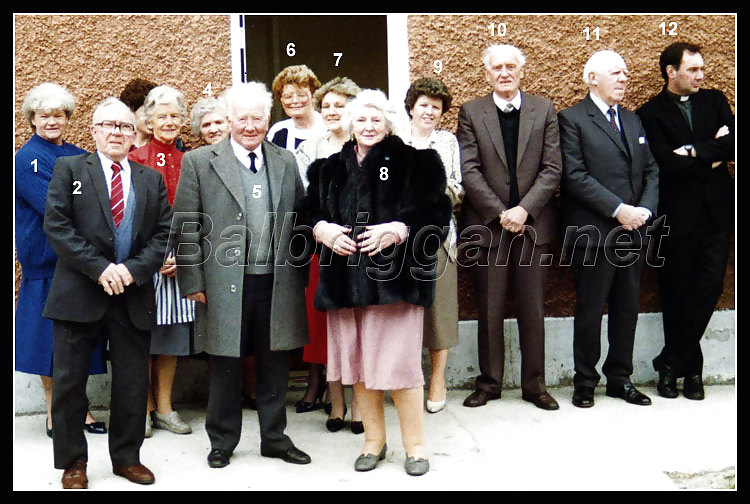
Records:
x=148, y=432
x=435, y=406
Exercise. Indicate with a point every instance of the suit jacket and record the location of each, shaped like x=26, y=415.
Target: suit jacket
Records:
x=689, y=187
x=212, y=250
x=79, y=226
x=599, y=173
x=485, y=173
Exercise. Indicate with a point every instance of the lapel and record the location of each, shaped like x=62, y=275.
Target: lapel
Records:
x=492, y=123
x=224, y=164
x=275, y=167
x=598, y=119
x=96, y=173
x=526, y=124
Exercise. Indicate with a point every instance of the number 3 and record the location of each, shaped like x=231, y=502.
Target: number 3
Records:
x=160, y=159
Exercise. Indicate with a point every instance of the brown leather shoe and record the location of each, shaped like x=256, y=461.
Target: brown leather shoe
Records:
x=479, y=398
x=138, y=473
x=543, y=401
x=75, y=475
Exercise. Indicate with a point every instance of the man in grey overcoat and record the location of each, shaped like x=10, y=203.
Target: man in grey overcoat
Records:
x=233, y=228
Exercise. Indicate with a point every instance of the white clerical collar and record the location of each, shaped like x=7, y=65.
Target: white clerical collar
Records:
x=502, y=102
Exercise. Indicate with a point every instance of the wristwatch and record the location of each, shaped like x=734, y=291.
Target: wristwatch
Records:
x=689, y=149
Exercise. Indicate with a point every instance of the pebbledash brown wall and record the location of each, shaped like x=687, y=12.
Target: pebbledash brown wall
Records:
x=96, y=55
x=556, y=50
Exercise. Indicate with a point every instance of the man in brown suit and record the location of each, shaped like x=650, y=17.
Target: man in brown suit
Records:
x=511, y=167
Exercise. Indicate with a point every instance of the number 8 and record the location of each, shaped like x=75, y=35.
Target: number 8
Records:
x=384, y=173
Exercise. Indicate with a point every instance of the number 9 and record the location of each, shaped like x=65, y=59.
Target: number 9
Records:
x=438, y=65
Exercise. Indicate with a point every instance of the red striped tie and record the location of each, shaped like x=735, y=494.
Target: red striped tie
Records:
x=116, y=196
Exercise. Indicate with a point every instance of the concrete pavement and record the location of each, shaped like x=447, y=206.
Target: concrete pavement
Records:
x=506, y=445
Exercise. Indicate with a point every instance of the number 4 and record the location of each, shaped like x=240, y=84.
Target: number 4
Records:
x=207, y=90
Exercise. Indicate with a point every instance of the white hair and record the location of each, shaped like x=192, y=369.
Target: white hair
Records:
x=206, y=105
x=502, y=50
x=109, y=102
x=373, y=98
x=163, y=95
x=48, y=96
x=249, y=92
x=601, y=62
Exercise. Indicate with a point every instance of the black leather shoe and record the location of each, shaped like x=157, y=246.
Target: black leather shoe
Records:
x=292, y=455
x=479, y=398
x=49, y=431
x=667, y=386
x=629, y=393
x=336, y=424
x=543, y=401
x=692, y=388
x=357, y=427
x=583, y=397
x=218, y=458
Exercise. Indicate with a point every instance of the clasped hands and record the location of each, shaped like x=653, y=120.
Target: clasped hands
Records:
x=115, y=278
x=374, y=238
x=682, y=151
x=514, y=219
x=632, y=217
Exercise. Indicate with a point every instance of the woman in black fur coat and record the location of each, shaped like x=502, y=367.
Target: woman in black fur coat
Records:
x=380, y=210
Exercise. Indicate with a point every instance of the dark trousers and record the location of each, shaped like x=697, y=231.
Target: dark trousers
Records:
x=224, y=410
x=691, y=282
x=612, y=282
x=515, y=264
x=128, y=352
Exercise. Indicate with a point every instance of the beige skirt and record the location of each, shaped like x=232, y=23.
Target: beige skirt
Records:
x=441, y=319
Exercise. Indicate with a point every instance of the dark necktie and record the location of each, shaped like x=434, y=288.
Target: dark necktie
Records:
x=613, y=119
x=252, y=162
x=116, y=199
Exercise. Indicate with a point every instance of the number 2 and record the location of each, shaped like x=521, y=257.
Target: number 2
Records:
x=77, y=187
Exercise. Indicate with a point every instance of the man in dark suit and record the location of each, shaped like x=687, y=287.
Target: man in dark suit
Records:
x=609, y=191
x=108, y=220
x=239, y=265
x=511, y=168
x=691, y=132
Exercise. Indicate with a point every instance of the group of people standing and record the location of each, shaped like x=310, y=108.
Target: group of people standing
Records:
x=339, y=229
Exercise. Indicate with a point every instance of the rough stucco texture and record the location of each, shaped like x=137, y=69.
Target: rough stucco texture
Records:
x=556, y=50
x=94, y=56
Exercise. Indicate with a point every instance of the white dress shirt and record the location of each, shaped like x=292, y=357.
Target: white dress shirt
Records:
x=124, y=175
x=243, y=154
x=502, y=102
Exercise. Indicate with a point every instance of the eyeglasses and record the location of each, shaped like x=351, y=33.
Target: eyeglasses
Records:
x=110, y=126
x=300, y=95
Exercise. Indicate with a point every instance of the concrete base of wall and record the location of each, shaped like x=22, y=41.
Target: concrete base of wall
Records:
x=718, y=343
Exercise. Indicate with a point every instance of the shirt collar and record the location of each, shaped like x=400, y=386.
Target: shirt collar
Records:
x=502, y=102
x=107, y=163
x=602, y=105
x=243, y=154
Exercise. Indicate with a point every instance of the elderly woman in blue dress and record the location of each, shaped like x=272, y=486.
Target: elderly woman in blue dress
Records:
x=47, y=108
x=427, y=99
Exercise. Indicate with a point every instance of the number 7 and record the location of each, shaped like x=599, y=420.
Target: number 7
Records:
x=338, y=57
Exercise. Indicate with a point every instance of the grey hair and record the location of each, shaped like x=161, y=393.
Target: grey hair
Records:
x=48, y=96
x=163, y=95
x=498, y=49
x=254, y=91
x=372, y=98
x=600, y=62
x=205, y=106
x=108, y=102
x=339, y=85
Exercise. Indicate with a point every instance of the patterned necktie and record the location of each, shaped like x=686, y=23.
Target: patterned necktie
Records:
x=252, y=162
x=613, y=120
x=116, y=199
x=509, y=108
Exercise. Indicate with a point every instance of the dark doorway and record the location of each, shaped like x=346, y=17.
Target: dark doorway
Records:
x=347, y=46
